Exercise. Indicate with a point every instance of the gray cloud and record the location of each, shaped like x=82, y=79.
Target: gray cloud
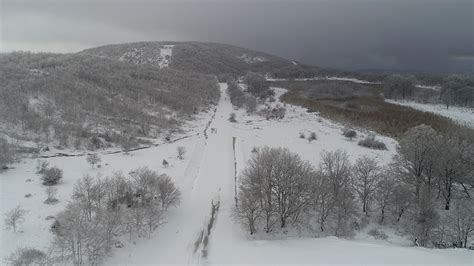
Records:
x=357, y=34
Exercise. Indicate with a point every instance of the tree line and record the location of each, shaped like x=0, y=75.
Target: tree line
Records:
x=452, y=90
x=424, y=192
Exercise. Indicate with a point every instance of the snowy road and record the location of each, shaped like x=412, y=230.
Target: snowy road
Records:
x=209, y=177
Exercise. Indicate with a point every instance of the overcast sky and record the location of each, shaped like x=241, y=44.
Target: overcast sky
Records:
x=430, y=35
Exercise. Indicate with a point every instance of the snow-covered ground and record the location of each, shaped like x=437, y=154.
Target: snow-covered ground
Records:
x=206, y=176
x=462, y=115
x=354, y=80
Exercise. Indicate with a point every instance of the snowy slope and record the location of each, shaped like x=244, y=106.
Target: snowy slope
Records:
x=462, y=115
x=205, y=177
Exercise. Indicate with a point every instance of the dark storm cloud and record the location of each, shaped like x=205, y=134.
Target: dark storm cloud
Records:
x=359, y=34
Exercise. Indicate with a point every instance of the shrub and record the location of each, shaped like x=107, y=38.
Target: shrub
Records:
x=51, y=193
x=371, y=143
x=181, y=151
x=26, y=256
x=273, y=113
x=302, y=135
x=377, y=234
x=312, y=136
x=51, y=176
x=232, y=118
x=165, y=163
x=350, y=134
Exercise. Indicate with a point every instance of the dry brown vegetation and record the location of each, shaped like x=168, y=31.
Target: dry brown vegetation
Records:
x=361, y=105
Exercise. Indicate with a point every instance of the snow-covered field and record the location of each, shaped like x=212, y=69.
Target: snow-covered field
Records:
x=205, y=176
x=462, y=115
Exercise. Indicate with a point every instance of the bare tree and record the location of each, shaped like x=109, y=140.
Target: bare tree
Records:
x=462, y=221
x=276, y=187
x=416, y=153
x=169, y=194
x=454, y=166
x=153, y=217
x=15, y=217
x=366, y=175
x=336, y=199
x=383, y=194
x=248, y=210
x=93, y=159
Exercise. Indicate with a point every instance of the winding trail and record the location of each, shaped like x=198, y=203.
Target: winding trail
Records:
x=209, y=182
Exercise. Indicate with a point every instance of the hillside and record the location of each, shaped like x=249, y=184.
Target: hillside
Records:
x=206, y=58
x=83, y=101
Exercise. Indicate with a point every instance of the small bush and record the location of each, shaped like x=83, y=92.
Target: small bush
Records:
x=181, y=151
x=312, y=136
x=26, y=256
x=302, y=136
x=28, y=195
x=51, y=176
x=377, y=234
x=41, y=167
x=371, y=143
x=273, y=113
x=232, y=118
x=93, y=159
x=350, y=134
x=165, y=163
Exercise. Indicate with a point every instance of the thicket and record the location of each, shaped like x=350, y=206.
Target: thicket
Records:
x=101, y=211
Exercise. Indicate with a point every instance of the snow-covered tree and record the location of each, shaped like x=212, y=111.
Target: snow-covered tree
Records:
x=93, y=159
x=15, y=217
x=366, y=174
x=416, y=156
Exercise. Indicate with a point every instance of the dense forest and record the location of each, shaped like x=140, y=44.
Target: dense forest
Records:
x=88, y=101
